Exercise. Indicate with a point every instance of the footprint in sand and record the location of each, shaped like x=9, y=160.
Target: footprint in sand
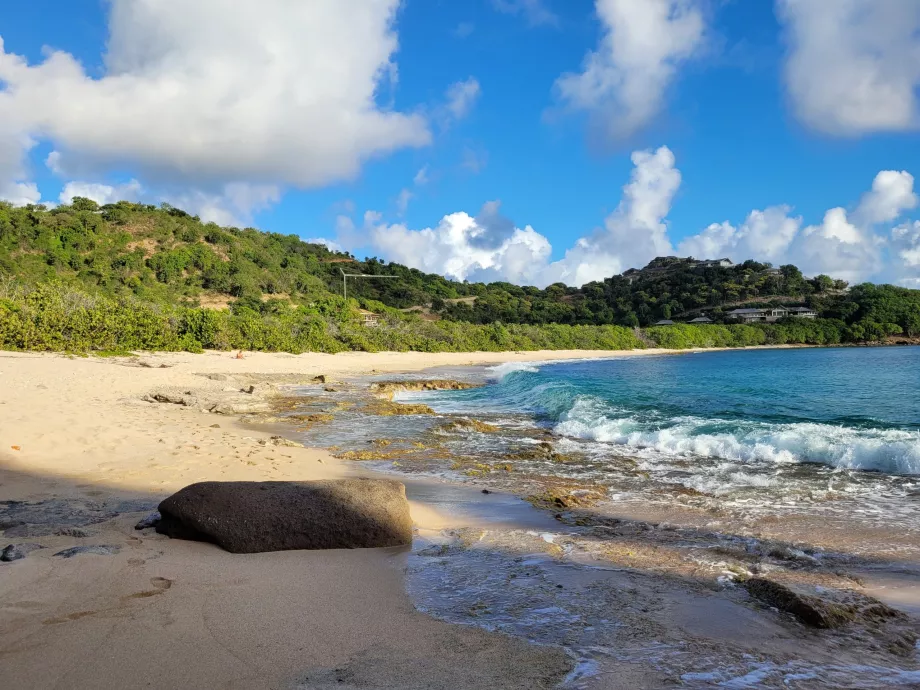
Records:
x=160, y=585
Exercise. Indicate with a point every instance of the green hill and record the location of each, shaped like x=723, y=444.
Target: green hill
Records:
x=208, y=286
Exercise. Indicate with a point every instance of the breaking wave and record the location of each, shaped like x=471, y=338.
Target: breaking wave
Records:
x=893, y=451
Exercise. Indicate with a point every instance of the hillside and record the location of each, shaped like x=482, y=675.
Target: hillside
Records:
x=162, y=256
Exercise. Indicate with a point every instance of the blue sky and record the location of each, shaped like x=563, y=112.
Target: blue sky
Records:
x=757, y=109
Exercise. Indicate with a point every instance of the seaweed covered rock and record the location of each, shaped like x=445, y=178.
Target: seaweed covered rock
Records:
x=253, y=517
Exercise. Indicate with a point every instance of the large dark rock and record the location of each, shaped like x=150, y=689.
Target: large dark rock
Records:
x=252, y=517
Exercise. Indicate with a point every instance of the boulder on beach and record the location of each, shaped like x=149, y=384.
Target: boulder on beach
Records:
x=254, y=517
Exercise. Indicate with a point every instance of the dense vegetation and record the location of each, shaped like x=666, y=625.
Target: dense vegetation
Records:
x=131, y=276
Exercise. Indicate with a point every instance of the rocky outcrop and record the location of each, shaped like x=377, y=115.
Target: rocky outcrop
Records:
x=390, y=387
x=385, y=408
x=831, y=610
x=253, y=517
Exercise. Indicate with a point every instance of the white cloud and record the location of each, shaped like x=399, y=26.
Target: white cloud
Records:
x=421, y=177
x=905, y=254
x=461, y=97
x=534, y=11
x=276, y=93
x=624, y=81
x=853, y=65
x=490, y=246
x=634, y=233
x=844, y=245
x=330, y=244
x=14, y=187
x=101, y=193
x=764, y=235
x=892, y=193
x=487, y=247
x=233, y=205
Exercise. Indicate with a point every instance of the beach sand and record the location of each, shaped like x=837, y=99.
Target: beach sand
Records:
x=75, y=433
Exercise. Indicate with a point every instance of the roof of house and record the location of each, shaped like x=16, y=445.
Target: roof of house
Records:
x=664, y=322
x=365, y=312
x=747, y=311
x=701, y=319
x=800, y=309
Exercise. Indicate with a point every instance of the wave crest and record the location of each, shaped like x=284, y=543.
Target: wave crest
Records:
x=886, y=450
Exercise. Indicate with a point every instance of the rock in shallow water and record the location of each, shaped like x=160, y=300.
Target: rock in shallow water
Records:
x=834, y=610
x=15, y=552
x=254, y=517
x=98, y=550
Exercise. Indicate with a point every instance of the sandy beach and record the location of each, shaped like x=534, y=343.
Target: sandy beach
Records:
x=89, y=446
x=76, y=434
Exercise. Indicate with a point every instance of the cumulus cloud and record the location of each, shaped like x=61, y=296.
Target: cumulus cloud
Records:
x=14, y=185
x=233, y=205
x=491, y=247
x=905, y=253
x=331, y=245
x=487, y=247
x=101, y=193
x=195, y=95
x=845, y=244
x=849, y=244
x=853, y=66
x=764, y=235
x=624, y=81
x=634, y=233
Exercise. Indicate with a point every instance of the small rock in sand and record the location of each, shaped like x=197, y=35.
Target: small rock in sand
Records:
x=248, y=389
x=319, y=379
x=215, y=426
x=149, y=521
x=98, y=550
x=73, y=532
x=15, y=552
x=216, y=377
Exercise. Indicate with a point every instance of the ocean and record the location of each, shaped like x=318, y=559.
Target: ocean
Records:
x=681, y=476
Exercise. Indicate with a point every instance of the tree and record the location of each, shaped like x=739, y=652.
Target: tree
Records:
x=81, y=203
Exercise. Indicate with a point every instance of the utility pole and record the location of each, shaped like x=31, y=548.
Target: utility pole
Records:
x=345, y=277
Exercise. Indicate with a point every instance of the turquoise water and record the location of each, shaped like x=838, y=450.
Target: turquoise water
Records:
x=843, y=408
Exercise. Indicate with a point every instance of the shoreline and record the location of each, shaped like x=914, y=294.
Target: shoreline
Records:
x=77, y=441
x=85, y=440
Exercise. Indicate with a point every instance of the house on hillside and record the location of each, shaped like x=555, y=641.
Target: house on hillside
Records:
x=770, y=314
x=664, y=322
x=803, y=312
x=715, y=263
x=370, y=318
x=701, y=319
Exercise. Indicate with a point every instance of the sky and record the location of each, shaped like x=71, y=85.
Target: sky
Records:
x=533, y=141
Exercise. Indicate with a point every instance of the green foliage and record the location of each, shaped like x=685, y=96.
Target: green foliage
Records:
x=82, y=277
